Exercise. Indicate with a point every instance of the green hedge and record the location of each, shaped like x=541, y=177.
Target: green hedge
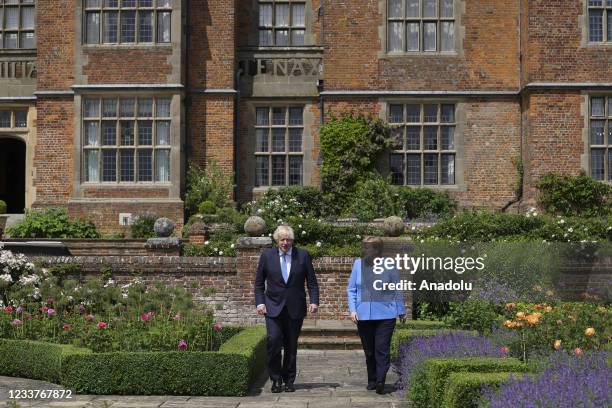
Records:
x=428, y=386
x=423, y=325
x=402, y=336
x=228, y=372
x=464, y=390
x=34, y=359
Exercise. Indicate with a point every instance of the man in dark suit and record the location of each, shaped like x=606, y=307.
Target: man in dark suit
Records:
x=280, y=296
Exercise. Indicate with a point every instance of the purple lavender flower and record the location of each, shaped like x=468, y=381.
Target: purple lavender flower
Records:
x=19, y=309
x=568, y=381
x=413, y=354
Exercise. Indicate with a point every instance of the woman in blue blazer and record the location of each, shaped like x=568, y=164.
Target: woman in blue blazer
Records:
x=374, y=313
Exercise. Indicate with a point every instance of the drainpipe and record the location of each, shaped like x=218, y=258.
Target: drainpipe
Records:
x=187, y=97
x=237, y=137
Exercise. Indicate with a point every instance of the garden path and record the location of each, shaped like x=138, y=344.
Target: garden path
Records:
x=326, y=379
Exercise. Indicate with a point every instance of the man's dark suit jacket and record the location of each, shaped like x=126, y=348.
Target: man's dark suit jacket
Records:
x=278, y=294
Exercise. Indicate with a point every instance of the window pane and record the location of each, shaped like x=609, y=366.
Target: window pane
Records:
x=597, y=132
x=412, y=8
x=282, y=15
x=145, y=26
x=447, y=137
x=109, y=165
x=413, y=169
x=278, y=140
x=92, y=166
x=128, y=3
x=598, y=107
x=278, y=170
x=145, y=3
x=265, y=37
x=609, y=38
x=429, y=8
x=610, y=133
x=396, y=167
x=27, y=17
x=430, y=172
x=126, y=165
x=261, y=171
x=145, y=107
x=430, y=137
x=295, y=116
x=282, y=37
x=92, y=108
x=297, y=16
x=262, y=116
x=446, y=8
x=430, y=36
x=395, y=9
x=127, y=133
x=92, y=29
x=297, y=37
x=128, y=26
x=163, y=133
x=595, y=25
x=145, y=132
x=265, y=15
x=597, y=164
x=110, y=26
x=109, y=133
x=109, y=108
x=163, y=27
x=396, y=114
x=111, y=3
x=431, y=113
x=395, y=36
x=21, y=118
x=448, y=114
x=448, y=169
x=413, y=138
x=162, y=165
x=261, y=140
x=412, y=36
x=28, y=40
x=295, y=139
x=595, y=3
x=10, y=40
x=145, y=165
x=397, y=135
x=92, y=134
x=92, y=3
x=414, y=113
x=126, y=107
x=11, y=21
x=295, y=170
x=447, y=41
x=162, y=108
x=5, y=119
x=278, y=116
x=609, y=164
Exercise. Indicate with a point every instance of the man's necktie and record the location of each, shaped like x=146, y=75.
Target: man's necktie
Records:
x=284, y=267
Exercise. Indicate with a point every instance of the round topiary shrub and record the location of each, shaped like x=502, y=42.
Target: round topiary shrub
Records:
x=207, y=207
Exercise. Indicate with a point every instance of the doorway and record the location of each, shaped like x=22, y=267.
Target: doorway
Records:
x=12, y=174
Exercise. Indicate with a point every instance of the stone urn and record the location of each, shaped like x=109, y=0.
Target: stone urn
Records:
x=255, y=226
x=393, y=226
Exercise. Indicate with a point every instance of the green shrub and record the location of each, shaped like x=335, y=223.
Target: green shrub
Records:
x=479, y=315
x=213, y=247
x=33, y=359
x=373, y=198
x=209, y=184
x=423, y=203
x=423, y=325
x=2, y=207
x=207, y=207
x=403, y=336
x=580, y=196
x=142, y=226
x=464, y=390
x=428, y=386
x=51, y=222
x=252, y=343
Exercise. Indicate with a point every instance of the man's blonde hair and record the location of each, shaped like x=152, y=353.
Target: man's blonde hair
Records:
x=283, y=231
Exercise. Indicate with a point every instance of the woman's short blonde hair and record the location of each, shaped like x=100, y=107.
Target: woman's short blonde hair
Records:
x=283, y=231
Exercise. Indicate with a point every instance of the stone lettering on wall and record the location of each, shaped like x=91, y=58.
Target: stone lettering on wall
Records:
x=282, y=67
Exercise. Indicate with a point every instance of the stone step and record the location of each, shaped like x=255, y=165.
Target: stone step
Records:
x=329, y=343
x=329, y=332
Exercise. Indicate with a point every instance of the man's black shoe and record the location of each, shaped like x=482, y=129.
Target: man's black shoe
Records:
x=289, y=387
x=371, y=386
x=380, y=388
x=277, y=386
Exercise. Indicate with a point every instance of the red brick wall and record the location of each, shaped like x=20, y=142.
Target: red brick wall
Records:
x=125, y=192
x=55, y=44
x=127, y=66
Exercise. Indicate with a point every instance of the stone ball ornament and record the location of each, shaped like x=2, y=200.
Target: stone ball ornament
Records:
x=393, y=226
x=163, y=227
x=254, y=226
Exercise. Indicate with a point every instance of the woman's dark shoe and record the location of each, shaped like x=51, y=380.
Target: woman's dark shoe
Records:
x=289, y=387
x=380, y=388
x=371, y=386
x=277, y=386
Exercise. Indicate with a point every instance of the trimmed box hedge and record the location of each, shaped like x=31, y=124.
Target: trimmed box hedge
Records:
x=427, y=389
x=464, y=390
x=423, y=325
x=402, y=336
x=228, y=372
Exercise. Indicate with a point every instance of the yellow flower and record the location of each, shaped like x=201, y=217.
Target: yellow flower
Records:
x=589, y=332
x=578, y=351
x=509, y=324
x=557, y=344
x=533, y=319
x=510, y=306
x=601, y=309
x=520, y=315
x=548, y=309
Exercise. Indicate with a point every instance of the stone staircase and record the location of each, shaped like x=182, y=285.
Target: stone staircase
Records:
x=329, y=335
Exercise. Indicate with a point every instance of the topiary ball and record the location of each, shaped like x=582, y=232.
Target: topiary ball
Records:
x=207, y=207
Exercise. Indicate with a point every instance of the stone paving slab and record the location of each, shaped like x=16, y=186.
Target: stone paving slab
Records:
x=325, y=379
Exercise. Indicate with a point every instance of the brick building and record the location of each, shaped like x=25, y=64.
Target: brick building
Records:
x=104, y=102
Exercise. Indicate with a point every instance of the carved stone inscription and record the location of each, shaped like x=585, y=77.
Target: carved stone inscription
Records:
x=282, y=67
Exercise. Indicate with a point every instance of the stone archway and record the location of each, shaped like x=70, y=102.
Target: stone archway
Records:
x=13, y=174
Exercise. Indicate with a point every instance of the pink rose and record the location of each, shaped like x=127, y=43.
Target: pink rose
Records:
x=182, y=344
x=66, y=326
x=19, y=309
x=8, y=309
x=217, y=326
x=51, y=312
x=16, y=322
x=102, y=325
x=177, y=317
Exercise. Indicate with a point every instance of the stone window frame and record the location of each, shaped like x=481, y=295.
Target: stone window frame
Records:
x=19, y=30
x=101, y=7
x=460, y=120
x=14, y=122
x=606, y=146
x=605, y=7
x=458, y=31
x=310, y=40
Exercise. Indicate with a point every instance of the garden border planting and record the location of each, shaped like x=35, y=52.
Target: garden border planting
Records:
x=464, y=390
x=405, y=335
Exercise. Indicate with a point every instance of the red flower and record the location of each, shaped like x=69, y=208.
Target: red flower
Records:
x=102, y=325
x=44, y=309
x=505, y=350
x=145, y=317
x=8, y=309
x=66, y=326
x=217, y=326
